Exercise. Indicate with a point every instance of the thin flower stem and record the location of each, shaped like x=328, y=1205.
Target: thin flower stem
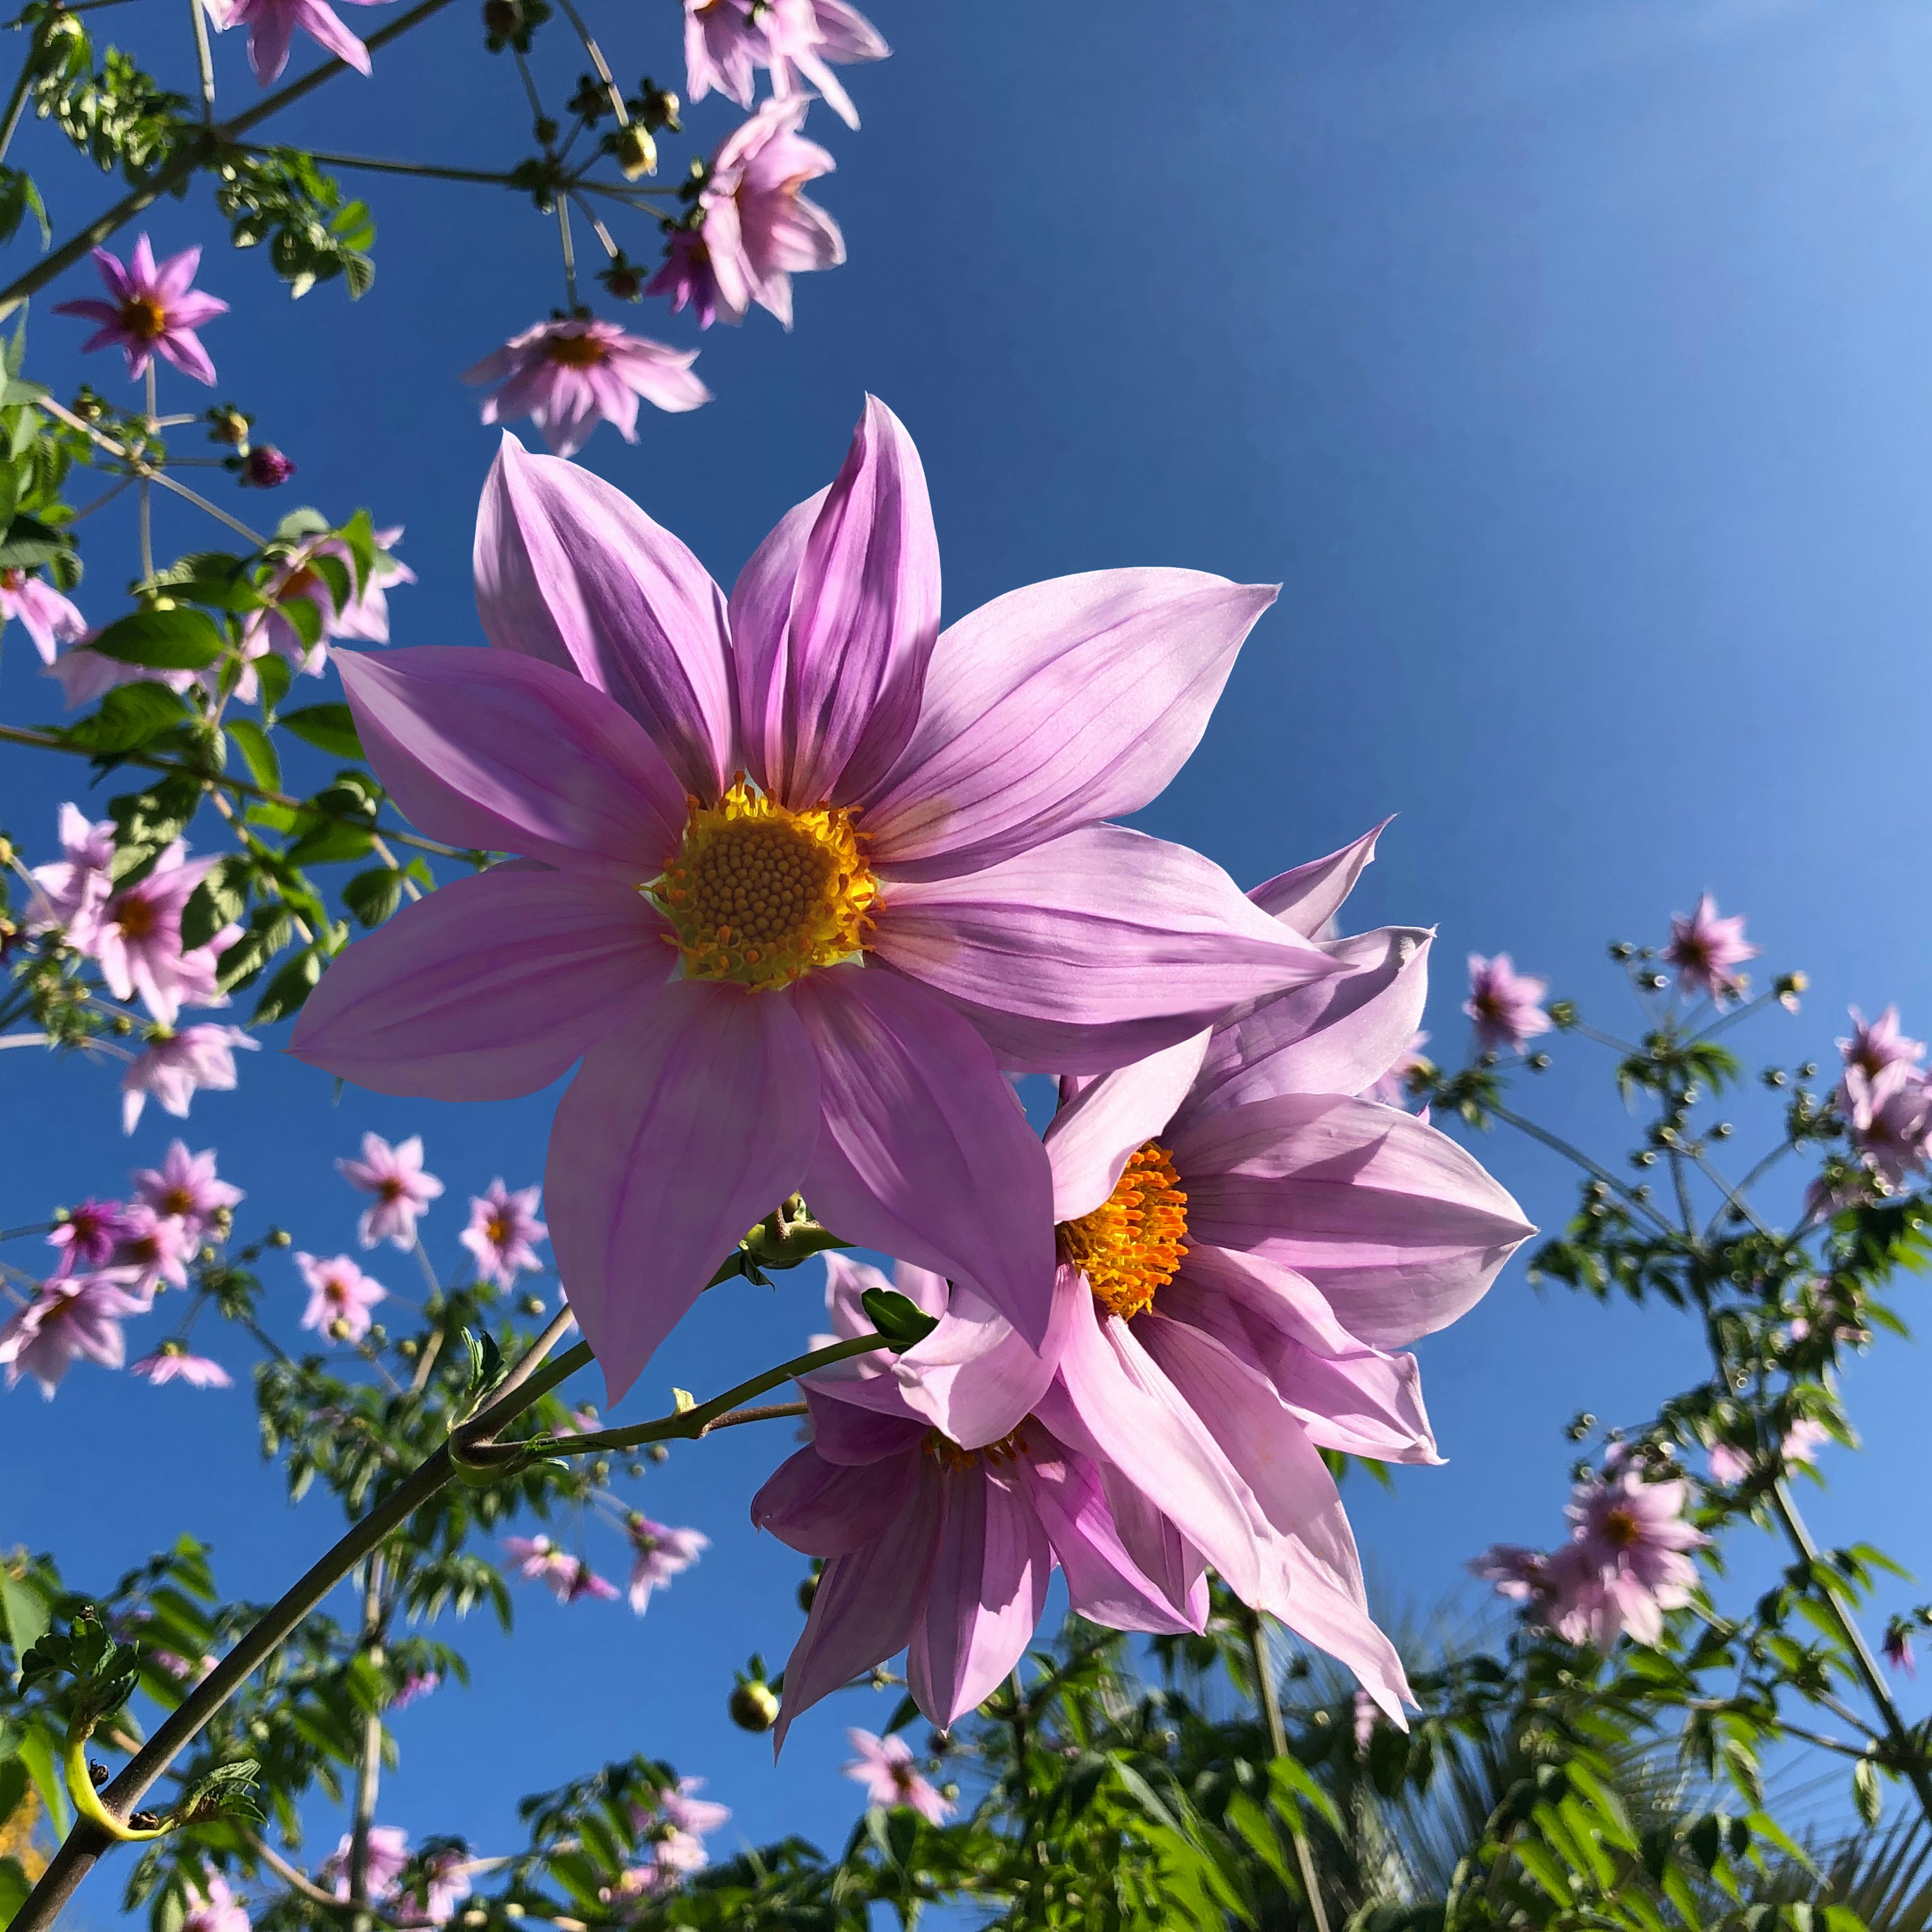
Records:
x=569, y=252
x=1727, y=1021
x=589, y=215
x=429, y=170
x=298, y=1880
x=16, y=101
x=529, y=85
x=598, y=61
x=100, y=503
x=204, y=60
x=770, y=1411
x=1610, y=1039
x=147, y=509
x=428, y=1267
x=1682, y=1187
x=22, y=1040
x=1733, y=1198
x=389, y=858
x=1559, y=1145
x=1304, y=1855
x=32, y=1228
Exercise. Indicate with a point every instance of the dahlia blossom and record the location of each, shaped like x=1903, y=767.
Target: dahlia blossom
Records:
x=727, y=41
x=1729, y=1464
x=568, y=376
x=503, y=1232
x=1706, y=949
x=271, y=25
x=186, y=1187
x=215, y=1910
x=1625, y=1564
x=418, y=1684
x=1890, y=1116
x=1507, y=1006
x=152, y=1248
x=1519, y=1573
x=1898, y=1648
x=364, y=618
x=136, y=941
x=1877, y=1044
x=697, y=1817
x=658, y=1553
x=175, y=1067
x=395, y=1175
x=172, y=1362
x=339, y=1297
x=151, y=310
x=389, y=1854
x=70, y=892
x=68, y=1320
x=872, y=856
x=890, y=1774
x=537, y=1560
x=87, y=1236
x=46, y=617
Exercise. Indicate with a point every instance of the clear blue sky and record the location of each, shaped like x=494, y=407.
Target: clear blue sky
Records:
x=1566, y=364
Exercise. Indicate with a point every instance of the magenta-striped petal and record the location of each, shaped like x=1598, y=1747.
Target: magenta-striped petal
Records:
x=681, y=1131
x=488, y=749
x=1306, y=899
x=1338, y=1036
x=832, y=703
x=1055, y=707
x=1091, y=1137
x=487, y=988
x=1399, y=1228
x=569, y=570
x=830, y=1509
x=990, y=1572
x=924, y=1153
x=1091, y=952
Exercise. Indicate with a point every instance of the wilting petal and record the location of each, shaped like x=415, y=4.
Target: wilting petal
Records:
x=1308, y=897
x=678, y=1133
x=989, y=1576
x=840, y=697
x=1056, y=706
x=1338, y=1036
x=1091, y=1137
x=569, y=570
x=1091, y=952
x=925, y=1152
x=507, y=754
x=828, y=1509
x=1399, y=1228
x=868, y=1604
x=489, y=988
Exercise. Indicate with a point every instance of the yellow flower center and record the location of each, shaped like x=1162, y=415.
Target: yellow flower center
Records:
x=948, y=1454
x=576, y=351
x=144, y=317
x=759, y=894
x=177, y=1200
x=498, y=1230
x=1130, y=1247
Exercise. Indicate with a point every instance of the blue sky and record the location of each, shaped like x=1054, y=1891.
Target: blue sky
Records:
x=1564, y=362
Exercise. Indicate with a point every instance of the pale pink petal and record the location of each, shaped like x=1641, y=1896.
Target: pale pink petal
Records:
x=182, y=347
x=1307, y=898
x=321, y=22
x=1091, y=1138
x=827, y=1509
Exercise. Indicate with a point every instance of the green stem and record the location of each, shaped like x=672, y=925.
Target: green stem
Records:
x=1558, y=1144
x=17, y=102
x=204, y=60
x=427, y=169
x=1304, y=1854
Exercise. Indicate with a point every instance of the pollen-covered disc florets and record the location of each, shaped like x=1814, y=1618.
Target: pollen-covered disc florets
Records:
x=948, y=1454
x=759, y=894
x=1130, y=1247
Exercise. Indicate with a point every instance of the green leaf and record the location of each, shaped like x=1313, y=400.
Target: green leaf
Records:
x=14, y=1779
x=28, y=541
x=330, y=727
x=179, y=639
x=898, y=1319
x=258, y=752
x=300, y=525
x=14, y=1889
x=330, y=843
x=274, y=675
x=37, y=1752
x=374, y=896
x=287, y=992
x=303, y=616
x=27, y=1612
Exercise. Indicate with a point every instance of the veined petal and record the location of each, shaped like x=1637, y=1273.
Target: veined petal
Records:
x=682, y=1130
x=1400, y=1229
x=1091, y=952
x=845, y=1432
x=1055, y=707
x=488, y=749
x=829, y=1509
x=489, y=988
x=1307, y=898
x=1089, y=1139
x=975, y=1378
x=569, y=570
x=760, y=611
x=924, y=1153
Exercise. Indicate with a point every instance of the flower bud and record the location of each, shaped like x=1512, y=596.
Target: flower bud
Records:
x=502, y=18
x=533, y=1304
x=807, y=1591
x=754, y=1708
x=636, y=152
x=230, y=425
x=265, y=467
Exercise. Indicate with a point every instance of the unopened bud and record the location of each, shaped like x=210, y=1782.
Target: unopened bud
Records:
x=338, y=1329
x=230, y=425
x=658, y=1452
x=278, y=1237
x=754, y=1707
x=657, y=108
x=636, y=152
x=502, y=18
x=265, y=467
x=624, y=279
x=533, y=1304
x=807, y=1592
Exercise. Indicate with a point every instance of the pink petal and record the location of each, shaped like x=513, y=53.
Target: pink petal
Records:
x=1091, y=952
x=844, y=1432
x=489, y=749
x=270, y=32
x=322, y=23
x=679, y=1132
x=1398, y=1227
x=829, y=1509
x=760, y=612
x=182, y=347
x=838, y=700
x=487, y=988
x=1055, y=707
x=1307, y=898
x=570, y=570
x=1091, y=1137
x=925, y=1153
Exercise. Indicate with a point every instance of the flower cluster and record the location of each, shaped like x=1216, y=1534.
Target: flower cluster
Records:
x=1884, y=1098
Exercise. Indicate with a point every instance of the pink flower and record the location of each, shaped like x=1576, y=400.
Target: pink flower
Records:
x=388, y=1855
x=339, y=1297
x=857, y=1018
x=71, y=891
x=395, y=1175
x=1366, y=1716
x=568, y=376
x=1507, y=1006
x=890, y=1774
x=87, y=1236
x=759, y=231
x=1898, y=1648
x=687, y=1813
x=1625, y=1565
x=1728, y=1465
x=537, y=1560
x=186, y=1187
x=364, y=618
x=1877, y=1044
x=271, y=25
x=686, y=278
x=79, y=1317
x=660, y=1553
x=265, y=467
x=502, y=1233
x=137, y=943
x=47, y=616
x=1392, y=1089
x=151, y=309
x=172, y=1362
x=1704, y=949
x=418, y=1683
x=1522, y=1575
x=152, y=1248
x=1803, y=1439
x=1890, y=1119
x=727, y=41
x=83, y=675
x=216, y=1909
x=176, y=1065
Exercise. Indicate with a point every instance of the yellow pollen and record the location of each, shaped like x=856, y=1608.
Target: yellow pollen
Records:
x=948, y=1454
x=1130, y=1247
x=576, y=351
x=144, y=317
x=177, y=1200
x=759, y=894
x=498, y=1229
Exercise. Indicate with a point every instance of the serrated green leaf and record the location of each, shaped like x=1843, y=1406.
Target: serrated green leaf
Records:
x=179, y=639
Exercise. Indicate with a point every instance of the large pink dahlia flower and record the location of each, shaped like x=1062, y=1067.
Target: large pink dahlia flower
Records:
x=799, y=878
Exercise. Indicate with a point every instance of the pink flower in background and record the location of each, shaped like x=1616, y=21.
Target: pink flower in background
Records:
x=568, y=376
x=137, y=942
x=502, y=1233
x=1729, y=1464
x=47, y=617
x=759, y=230
x=1507, y=1006
x=73, y=889
x=1877, y=1044
x=1803, y=1439
x=1625, y=1565
x=216, y=1909
x=724, y=46
x=686, y=1812
x=659, y=1553
x=186, y=1187
x=87, y=1236
x=364, y=617
x=388, y=1855
x=68, y=1320
x=537, y=1560
x=175, y=1068
x=858, y=1018
x=686, y=277
x=395, y=1175
x=1705, y=949
x=418, y=1683
x=151, y=310
x=271, y=25
x=265, y=467
x=807, y=37
x=1519, y=1573
x=1366, y=1718
x=83, y=675
x=890, y=1774
x=1898, y=1648
x=153, y=1249
x=1890, y=1119
x=1392, y=1089
x=339, y=1297
x=171, y=1362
